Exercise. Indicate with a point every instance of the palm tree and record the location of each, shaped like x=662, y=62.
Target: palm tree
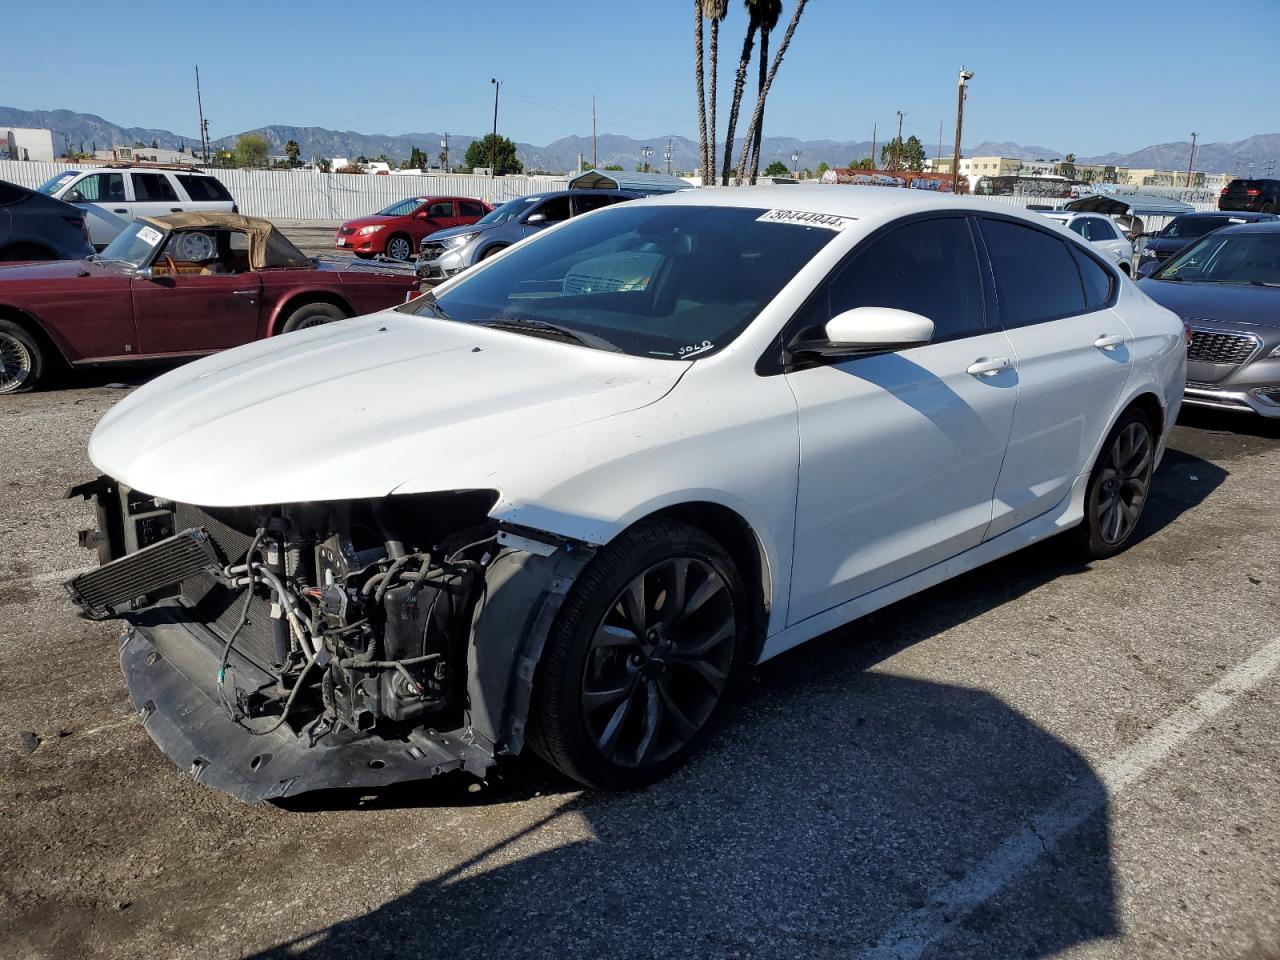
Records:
x=740, y=82
x=764, y=93
x=715, y=11
x=768, y=12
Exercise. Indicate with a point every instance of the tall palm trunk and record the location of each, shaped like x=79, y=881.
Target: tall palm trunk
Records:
x=764, y=65
x=740, y=82
x=709, y=168
x=773, y=72
x=702, y=95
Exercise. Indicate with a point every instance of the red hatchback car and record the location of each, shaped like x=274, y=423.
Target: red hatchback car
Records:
x=397, y=230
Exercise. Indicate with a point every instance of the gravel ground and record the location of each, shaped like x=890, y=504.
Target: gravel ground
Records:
x=1038, y=759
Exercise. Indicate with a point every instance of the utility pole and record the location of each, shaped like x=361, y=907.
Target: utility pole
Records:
x=939, y=153
x=897, y=146
x=444, y=147
x=795, y=164
x=965, y=77
x=646, y=152
x=204, y=124
x=667, y=155
x=593, y=131
x=1191, y=164
x=875, y=164
x=493, y=146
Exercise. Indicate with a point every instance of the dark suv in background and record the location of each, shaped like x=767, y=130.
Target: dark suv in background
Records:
x=36, y=227
x=447, y=252
x=1262, y=195
x=1190, y=227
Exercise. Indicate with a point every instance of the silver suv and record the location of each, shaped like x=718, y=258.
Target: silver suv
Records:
x=138, y=191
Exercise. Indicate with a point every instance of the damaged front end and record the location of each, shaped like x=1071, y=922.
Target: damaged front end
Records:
x=280, y=649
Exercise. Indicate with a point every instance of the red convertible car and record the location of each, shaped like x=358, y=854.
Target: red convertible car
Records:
x=176, y=286
x=398, y=230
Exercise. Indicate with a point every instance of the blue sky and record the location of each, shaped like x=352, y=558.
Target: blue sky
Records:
x=389, y=67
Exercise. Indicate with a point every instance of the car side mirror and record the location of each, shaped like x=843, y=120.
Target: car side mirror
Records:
x=74, y=196
x=1147, y=269
x=868, y=330
x=144, y=273
x=535, y=219
x=421, y=215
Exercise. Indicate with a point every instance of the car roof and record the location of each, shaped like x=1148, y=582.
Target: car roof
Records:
x=1249, y=215
x=842, y=200
x=1263, y=226
x=529, y=197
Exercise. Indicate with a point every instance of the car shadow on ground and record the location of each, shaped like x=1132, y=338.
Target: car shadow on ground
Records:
x=836, y=801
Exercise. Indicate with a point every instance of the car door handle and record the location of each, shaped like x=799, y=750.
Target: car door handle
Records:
x=248, y=294
x=988, y=367
x=1108, y=342
x=119, y=210
x=175, y=209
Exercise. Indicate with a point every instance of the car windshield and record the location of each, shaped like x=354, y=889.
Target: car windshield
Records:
x=674, y=282
x=1228, y=258
x=401, y=209
x=56, y=182
x=133, y=245
x=512, y=208
x=1188, y=228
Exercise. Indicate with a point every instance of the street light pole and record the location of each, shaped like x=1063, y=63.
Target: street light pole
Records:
x=897, y=146
x=965, y=77
x=795, y=164
x=493, y=145
x=1191, y=164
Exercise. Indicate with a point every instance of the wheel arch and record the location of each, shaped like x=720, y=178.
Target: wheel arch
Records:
x=302, y=298
x=33, y=326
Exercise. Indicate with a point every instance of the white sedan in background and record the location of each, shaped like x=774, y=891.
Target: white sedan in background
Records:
x=561, y=500
x=1104, y=233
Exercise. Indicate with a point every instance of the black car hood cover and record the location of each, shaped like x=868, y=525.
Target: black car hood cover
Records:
x=1236, y=304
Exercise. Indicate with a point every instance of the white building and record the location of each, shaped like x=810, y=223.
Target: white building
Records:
x=26, y=143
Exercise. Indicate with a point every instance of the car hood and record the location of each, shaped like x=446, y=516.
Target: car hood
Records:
x=358, y=408
x=469, y=228
x=1231, y=304
x=369, y=221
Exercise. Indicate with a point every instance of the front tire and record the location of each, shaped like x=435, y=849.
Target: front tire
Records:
x=22, y=362
x=312, y=315
x=399, y=247
x=640, y=658
x=1118, y=487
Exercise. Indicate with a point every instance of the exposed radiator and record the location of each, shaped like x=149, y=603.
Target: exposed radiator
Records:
x=101, y=592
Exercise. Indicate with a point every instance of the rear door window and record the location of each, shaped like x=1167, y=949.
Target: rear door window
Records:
x=203, y=188
x=441, y=208
x=1036, y=275
x=586, y=202
x=471, y=209
x=153, y=187
x=1099, y=284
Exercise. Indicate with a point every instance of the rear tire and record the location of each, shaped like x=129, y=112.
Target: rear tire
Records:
x=312, y=315
x=640, y=658
x=399, y=247
x=22, y=361
x=1118, y=487
x=25, y=251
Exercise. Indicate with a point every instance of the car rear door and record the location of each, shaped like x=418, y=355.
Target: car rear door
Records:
x=899, y=452
x=154, y=194
x=192, y=312
x=1073, y=355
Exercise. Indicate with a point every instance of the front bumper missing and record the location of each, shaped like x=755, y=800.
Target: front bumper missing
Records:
x=168, y=667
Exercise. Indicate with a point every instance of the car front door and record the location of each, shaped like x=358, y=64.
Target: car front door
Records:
x=548, y=213
x=1073, y=354
x=436, y=215
x=201, y=297
x=899, y=452
x=106, y=190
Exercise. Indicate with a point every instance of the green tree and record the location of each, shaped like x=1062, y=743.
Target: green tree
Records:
x=481, y=154
x=1068, y=166
x=866, y=163
x=251, y=150
x=612, y=166
x=777, y=169
x=293, y=152
x=822, y=168
x=896, y=155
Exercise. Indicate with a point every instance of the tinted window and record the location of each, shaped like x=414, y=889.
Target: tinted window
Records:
x=667, y=282
x=1101, y=229
x=1080, y=226
x=1189, y=228
x=590, y=201
x=1098, y=282
x=203, y=188
x=1036, y=276
x=471, y=209
x=928, y=267
x=153, y=187
x=10, y=193
x=441, y=208
x=555, y=209
x=105, y=187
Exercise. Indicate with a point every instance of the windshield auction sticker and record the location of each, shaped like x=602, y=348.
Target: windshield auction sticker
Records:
x=802, y=218
x=150, y=236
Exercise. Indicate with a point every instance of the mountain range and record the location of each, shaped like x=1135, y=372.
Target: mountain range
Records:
x=89, y=130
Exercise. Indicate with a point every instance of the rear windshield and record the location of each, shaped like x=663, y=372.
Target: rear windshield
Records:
x=203, y=188
x=1188, y=228
x=1238, y=185
x=669, y=282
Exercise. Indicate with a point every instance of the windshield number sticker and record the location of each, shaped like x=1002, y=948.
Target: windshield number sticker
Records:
x=693, y=349
x=802, y=218
x=150, y=236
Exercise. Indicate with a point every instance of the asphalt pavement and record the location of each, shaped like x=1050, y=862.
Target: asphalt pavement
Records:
x=1041, y=758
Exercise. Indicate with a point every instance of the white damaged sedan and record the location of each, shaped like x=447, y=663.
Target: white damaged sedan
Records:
x=562, y=500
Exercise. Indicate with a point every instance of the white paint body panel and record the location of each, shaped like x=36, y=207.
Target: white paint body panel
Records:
x=863, y=482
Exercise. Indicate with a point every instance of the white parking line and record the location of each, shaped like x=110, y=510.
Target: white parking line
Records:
x=915, y=932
